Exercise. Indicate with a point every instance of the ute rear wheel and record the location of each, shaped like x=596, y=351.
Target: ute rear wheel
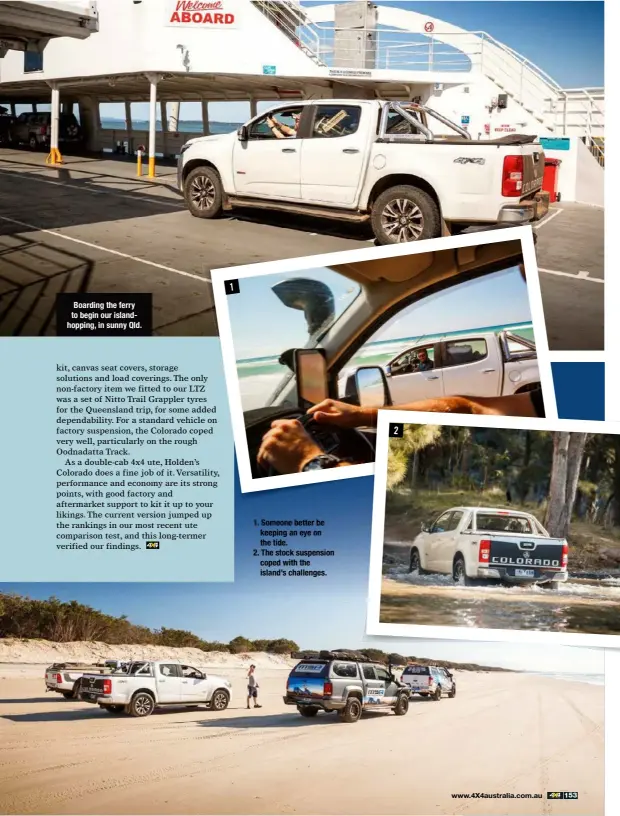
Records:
x=352, y=710
x=220, y=700
x=203, y=192
x=308, y=711
x=403, y=214
x=437, y=693
x=452, y=692
x=68, y=695
x=459, y=572
x=402, y=705
x=142, y=705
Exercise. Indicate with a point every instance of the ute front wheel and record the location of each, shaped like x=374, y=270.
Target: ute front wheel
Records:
x=220, y=700
x=204, y=193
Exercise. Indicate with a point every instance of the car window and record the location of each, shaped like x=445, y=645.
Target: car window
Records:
x=397, y=125
x=22, y=117
x=417, y=670
x=455, y=519
x=336, y=120
x=259, y=129
x=169, y=669
x=382, y=674
x=345, y=669
x=442, y=524
x=369, y=672
x=190, y=671
x=503, y=523
x=469, y=525
x=461, y=352
x=410, y=361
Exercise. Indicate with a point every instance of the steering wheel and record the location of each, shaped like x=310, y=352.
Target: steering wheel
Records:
x=345, y=443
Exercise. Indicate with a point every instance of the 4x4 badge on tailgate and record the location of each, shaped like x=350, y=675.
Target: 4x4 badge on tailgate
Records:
x=469, y=160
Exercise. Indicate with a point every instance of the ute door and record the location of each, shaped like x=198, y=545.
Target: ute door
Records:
x=408, y=382
x=471, y=367
x=374, y=687
x=168, y=680
x=194, y=685
x=268, y=167
x=333, y=158
x=448, y=542
x=436, y=543
x=391, y=686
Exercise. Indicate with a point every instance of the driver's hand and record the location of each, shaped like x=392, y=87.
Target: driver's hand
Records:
x=333, y=412
x=287, y=447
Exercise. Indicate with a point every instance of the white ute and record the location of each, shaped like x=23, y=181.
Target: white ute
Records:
x=358, y=160
x=142, y=686
x=484, y=364
x=64, y=678
x=472, y=543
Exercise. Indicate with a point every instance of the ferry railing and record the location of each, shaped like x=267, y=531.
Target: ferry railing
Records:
x=292, y=20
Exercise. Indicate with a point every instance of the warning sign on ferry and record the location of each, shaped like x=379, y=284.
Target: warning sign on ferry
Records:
x=200, y=14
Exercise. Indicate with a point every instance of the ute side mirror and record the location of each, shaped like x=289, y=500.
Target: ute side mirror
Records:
x=242, y=133
x=370, y=387
x=425, y=527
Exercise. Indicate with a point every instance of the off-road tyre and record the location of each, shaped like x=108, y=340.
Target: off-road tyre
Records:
x=403, y=214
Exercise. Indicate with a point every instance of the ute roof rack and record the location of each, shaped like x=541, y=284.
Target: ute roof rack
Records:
x=325, y=656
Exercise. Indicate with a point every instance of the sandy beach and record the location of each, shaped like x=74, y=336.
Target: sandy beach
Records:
x=503, y=733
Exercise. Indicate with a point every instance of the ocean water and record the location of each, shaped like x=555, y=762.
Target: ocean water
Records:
x=590, y=679
x=190, y=126
x=258, y=376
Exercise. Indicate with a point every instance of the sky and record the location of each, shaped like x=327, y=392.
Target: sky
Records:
x=573, y=56
x=500, y=298
x=317, y=613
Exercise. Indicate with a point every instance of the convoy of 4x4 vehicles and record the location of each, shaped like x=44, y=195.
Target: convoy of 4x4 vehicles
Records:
x=347, y=683
x=366, y=161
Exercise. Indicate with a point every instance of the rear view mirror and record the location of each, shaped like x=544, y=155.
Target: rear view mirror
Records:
x=242, y=133
x=371, y=387
x=311, y=376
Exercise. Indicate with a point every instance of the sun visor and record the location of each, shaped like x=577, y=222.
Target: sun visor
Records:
x=394, y=270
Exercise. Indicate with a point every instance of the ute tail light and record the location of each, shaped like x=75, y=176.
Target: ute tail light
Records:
x=512, y=176
x=59, y=678
x=107, y=687
x=565, y=555
x=328, y=689
x=430, y=681
x=484, y=551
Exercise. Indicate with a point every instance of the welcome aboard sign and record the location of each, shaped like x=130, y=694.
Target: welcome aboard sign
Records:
x=200, y=13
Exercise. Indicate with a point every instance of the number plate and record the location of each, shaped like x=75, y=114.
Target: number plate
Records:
x=521, y=573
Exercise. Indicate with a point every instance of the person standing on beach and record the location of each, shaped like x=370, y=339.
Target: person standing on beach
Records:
x=253, y=687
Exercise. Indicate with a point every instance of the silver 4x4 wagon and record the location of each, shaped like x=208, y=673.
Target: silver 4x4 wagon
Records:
x=346, y=682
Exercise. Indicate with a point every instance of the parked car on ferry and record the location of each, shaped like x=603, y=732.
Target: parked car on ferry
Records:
x=478, y=543
x=486, y=364
x=6, y=123
x=366, y=161
x=34, y=130
x=431, y=682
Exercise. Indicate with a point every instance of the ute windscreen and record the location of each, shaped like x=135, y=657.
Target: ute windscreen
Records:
x=495, y=523
x=417, y=670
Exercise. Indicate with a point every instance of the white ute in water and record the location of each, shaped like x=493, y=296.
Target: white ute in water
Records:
x=142, y=686
x=366, y=160
x=474, y=543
